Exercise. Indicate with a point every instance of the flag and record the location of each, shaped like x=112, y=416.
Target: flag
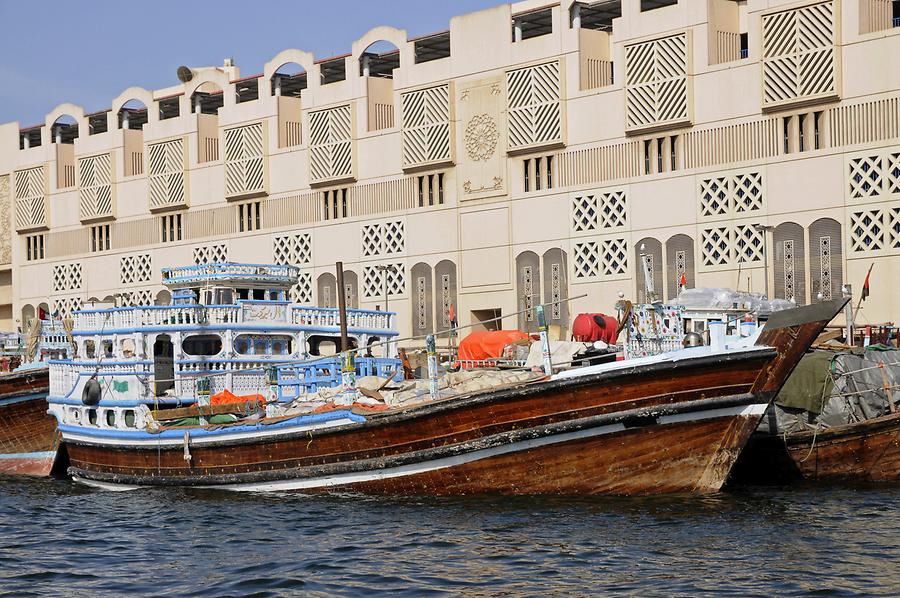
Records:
x=683, y=281
x=865, y=289
x=451, y=316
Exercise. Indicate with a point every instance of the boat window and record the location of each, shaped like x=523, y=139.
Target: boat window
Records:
x=224, y=296
x=202, y=344
x=263, y=344
x=259, y=294
x=90, y=351
x=74, y=416
x=107, y=347
x=243, y=294
x=129, y=418
x=128, y=348
x=92, y=416
x=110, y=418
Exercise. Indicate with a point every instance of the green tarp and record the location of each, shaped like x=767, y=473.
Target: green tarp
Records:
x=804, y=389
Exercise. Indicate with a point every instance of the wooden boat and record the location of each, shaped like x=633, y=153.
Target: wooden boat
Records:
x=835, y=420
x=673, y=422
x=28, y=436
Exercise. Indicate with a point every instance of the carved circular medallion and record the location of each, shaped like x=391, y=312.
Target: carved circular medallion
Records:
x=481, y=137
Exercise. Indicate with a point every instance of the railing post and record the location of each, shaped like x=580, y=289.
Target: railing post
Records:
x=431, y=348
x=545, y=340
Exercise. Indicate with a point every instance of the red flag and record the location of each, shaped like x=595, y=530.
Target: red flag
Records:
x=865, y=289
x=683, y=281
x=451, y=315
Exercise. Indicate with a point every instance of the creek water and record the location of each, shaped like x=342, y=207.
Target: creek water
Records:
x=60, y=539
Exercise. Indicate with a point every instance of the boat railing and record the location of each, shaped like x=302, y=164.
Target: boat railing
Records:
x=228, y=269
x=308, y=377
x=64, y=374
x=128, y=318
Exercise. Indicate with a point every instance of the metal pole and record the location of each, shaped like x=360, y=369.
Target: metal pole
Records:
x=342, y=306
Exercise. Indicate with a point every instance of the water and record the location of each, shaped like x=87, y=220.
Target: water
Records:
x=64, y=540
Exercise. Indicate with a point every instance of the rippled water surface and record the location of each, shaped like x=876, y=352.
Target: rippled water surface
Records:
x=60, y=539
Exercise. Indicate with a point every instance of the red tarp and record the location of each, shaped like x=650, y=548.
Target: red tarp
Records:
x=585, y=328
x=226, y=397
x=485, y=344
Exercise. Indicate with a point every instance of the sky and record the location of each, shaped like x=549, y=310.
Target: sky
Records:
x=88, y=52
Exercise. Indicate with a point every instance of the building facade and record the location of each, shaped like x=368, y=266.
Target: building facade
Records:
x=532, y=153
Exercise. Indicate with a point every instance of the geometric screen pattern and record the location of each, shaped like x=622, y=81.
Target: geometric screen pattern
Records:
x=293, y=249
x=734, y=195
x=244, y=172
x=384, y=238
x=135, y=268
x=426, y=126
x=656, y=83
x=374, y=280
x=95, y=186
x=798, y=53
x=533, y=105
x=166, y=175
x=330, y=148
x=599, y=210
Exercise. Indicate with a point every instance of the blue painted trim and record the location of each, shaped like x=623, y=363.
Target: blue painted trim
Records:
x=36, y=455
x=300, y=420
x=222, y=327
x=178, y=401
x=14, y=400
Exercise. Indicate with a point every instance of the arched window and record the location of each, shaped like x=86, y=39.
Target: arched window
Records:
x=556, y=289
x=327, y=290
x=444, y=292
x=132, y=115
x=423, y=300
x=649, y=251
x=790, y=262
x=377, y=64
x=287, y=84
x=288, y=81
x=64, y=129
x=679, y=261
x=825, y=259
x=528, y=289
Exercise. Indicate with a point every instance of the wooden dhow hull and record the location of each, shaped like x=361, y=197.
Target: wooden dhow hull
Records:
x=28, y=435
x=674, y=423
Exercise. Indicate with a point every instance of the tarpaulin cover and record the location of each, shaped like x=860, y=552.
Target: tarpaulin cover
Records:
x=226, y=397
x=586, y=329
x=804, y=389
x=486, y=344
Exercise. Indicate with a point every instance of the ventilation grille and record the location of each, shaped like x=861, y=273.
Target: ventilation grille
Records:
x=533, y=106
x=166, y=176
x=31, y=209
x=95, y=187
x=656, y=87
x=331, y=146
x=244, y=160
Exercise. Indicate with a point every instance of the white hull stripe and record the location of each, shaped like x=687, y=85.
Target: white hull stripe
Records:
x=200, y=441
x=456, y=460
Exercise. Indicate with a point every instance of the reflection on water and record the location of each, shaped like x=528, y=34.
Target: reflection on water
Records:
x=60, y=539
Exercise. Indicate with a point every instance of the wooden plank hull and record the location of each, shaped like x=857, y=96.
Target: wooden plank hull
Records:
x=867, y=451
x=664, y=426
x=28, y=435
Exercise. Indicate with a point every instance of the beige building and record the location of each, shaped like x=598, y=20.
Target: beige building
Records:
x=533, y=152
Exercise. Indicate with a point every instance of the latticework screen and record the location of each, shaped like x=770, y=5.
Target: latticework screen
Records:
x=166, y=174
x=95, y=187
x=533, y=106
x=31, y=209
x=798, y=54
x=656, y=82
x=244, y=160
x=426, y=126
x=331, y=144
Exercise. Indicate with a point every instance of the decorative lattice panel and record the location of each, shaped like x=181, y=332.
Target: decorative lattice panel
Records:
x=865, y=176
x=293, y=249
x=331, y=144
x=731, y=195
x=135, y=268
x=302, y=292
x=374, y=280
x=426, y=126
x=656, y=88
x=867, y=230
x=166, y=173
x=599, y=210
x=798, y=54
x=533, y=105
x=614, y=257
x=893, y=227
x=748, y=244
x=715, y=246
x=892, y=167
x=587, y=259
x=136, y=298
x=95, y=187
x=67, y=277
x=244, y=160
x=64, y=307
x=208, y=254
x=29, y=193
x=383, y=238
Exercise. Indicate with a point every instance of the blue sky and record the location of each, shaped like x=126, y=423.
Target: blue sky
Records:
x=88, y=52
